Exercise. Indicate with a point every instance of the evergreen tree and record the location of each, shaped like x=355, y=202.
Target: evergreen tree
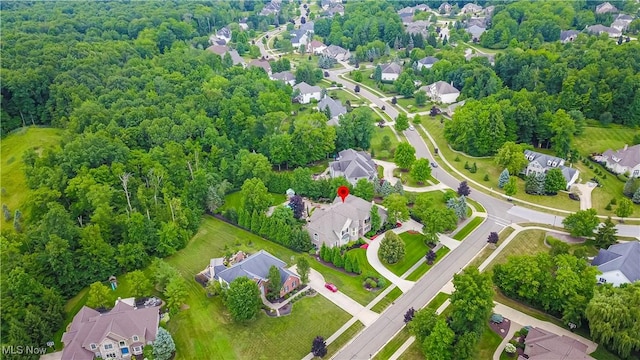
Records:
x=504, y=177
x=535, y=184
x=606, y=235
x=347, y=263
x=636, y=197
x=319, y=347
x=377, y=74
x=398, y=188
x=386, y=189
x=463, y=189
x=337, y=259
x=376, y=221
x=163, y=346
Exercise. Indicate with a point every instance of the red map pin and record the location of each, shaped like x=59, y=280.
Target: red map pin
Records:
x=343, y=192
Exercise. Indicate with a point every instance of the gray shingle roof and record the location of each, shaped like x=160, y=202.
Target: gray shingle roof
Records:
x=625, y=157
x=476, y=30
x=284, y=76
x=352, y=164
x=443, y=87
x=428, y=60
x=623, y=257
x=306, y=88
x=334, y=50
x=123, y=321
x=391, y=68
x=564, y=35
x=255, y=267
x=335, y=107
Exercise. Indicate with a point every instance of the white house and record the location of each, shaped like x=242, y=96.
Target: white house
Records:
x=601, y=29
x=619, y=264
x=342, y=222
x=541, y=163
x=626, y=160
x=391, y=71
x=336, y=52
x=316, y=47
x=299, y=37
x=441, y=91
x=307, y=92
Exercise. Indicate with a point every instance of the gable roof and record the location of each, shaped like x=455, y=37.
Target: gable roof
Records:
x=354, y=164
x=623, y=257
x=261, y=64
x=218, y=49
x=255, y=267
x=307, y=26
x=543, y=345
x=285, y=76
x=306, y=88
x=599, y=29
x=335, y=107
x=297, y=35
x=605, y=8
x=471, y=7
x=417, y=27
x=391, y=68
x=564, y=35
x=629, y=156
x=122, y=322
x=624, y=17
x=476, y=30
x=477, y=21
x=442, y=88
x=334, y=50
x=316, y=44
x=429, y=60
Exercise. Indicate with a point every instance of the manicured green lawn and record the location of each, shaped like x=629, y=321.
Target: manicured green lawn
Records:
x=393, y=345
x=343, y=338
x=602, y=353
x=479, y=208
x=387, y=88
x=489, y=342
x=467, y=229
x=424, y=267
x=438, y=300
x=344, y=95
x=414, y=250
x=14, y=187
x=408, y=180
x=409, y=104
x=205, y=331
x=233, y=200
x=376, y=141
x=413, y=352
x=599, y=139
x=484, y=254
x=388, y=299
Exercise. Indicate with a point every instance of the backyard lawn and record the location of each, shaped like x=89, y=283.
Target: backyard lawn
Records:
x=599, y=139
x=414, y=249
x=233, y=200
x=409, y=104
x=14, y=187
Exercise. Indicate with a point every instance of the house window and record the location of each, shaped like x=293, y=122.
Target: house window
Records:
x=137, y=349
x=636, y=173
x=136, y=338
x=603, y=280
x=108, y=346
x=111, y=355
x=93, y=346
x=293, y=284
x=286, y=289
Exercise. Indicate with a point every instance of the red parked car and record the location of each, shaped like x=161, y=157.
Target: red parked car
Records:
x=398, y=224
x=331, y=287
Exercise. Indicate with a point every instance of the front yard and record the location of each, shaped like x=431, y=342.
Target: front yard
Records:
x=414, y=248
x=376, y=142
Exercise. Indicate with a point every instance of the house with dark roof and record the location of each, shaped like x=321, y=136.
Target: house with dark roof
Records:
x=390, y=71
x=264, y=64
x=541, y=163
x=477, y=21
x=336, y=110
x=285, y=76
x=117, y=334
x=299, y=37
x=625, y=160
x=426, y=62
x=619, y=264
x=255, y=267
x=568, y=35
x=601, y=29
x=336, y=52
x=545, y=345
x=475, y=31
x=307, y=92
x=406, y=17
x=342, y=222
x=606, y=8
x=441, y=91
x=353, y=165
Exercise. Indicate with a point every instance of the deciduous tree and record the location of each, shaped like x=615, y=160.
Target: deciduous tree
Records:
x=421, y=170
x=463, y=189
x=176, y=294
x=606, y=235
x=99, y=296
x=364, y=189
x=472, y=301
x=439, y=344
x=397, y=209
x=254, y=196
x=303, y=269
x=625, y=208
x=582, y=223
x=511, y=157
x=402, y=122
x=141, y=284
x=243, y=299
x=319, y=347
x=554, y=181
x=405, y=155
x=391, y=248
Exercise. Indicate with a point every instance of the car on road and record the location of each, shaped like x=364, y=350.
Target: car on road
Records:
x=434, y=164
x=331, y=287
x=573, y=196
x=411, y=128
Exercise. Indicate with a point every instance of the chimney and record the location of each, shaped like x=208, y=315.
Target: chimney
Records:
x=625, y=147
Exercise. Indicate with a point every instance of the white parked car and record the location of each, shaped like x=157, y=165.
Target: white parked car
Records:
x=411, y=128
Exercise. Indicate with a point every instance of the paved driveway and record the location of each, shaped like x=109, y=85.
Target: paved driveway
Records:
x=316, y=281
x=374, y=261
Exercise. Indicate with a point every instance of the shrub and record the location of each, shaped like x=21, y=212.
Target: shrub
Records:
x=613, y=201
x=381, y=283
x=457, y=159
x=486, y=177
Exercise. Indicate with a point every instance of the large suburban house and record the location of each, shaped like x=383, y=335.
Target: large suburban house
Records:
x=223, y=50
x=316, y=47
x=476, y=31
x=606, y=8
x=391, y=71
x=116, y=334
x=441, y=91
x=300, y=37
x=353, y=165
x=568, y=36
x=336, y=52
x=264, y=64
x=272, y=8
x=418, y=27
x=471, y=8
x=626, y=160
x=544, y=345
x=601, y=29
x=619, y=264
x=426, y=62
x=285, y=76
x=336, y=110
x=342, y=222
x=541, y=163
x=307, y=92
x=255, y=267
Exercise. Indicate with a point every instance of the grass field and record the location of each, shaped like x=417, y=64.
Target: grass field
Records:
x=599, y=139
x=409, y=104
x=14, y=188
x=376, y=140
x=388, y=299
x=467, y=229
x=233, y=200
x=424, y=267
x=487, y=250
x=414, y=250
x=207, y=322
x=343, y=338
x=489, y=342
x=408, y=180
x=438, y=300
x=602, y=353
x=344, y=95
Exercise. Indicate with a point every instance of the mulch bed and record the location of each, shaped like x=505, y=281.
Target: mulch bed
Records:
x=502, y=328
